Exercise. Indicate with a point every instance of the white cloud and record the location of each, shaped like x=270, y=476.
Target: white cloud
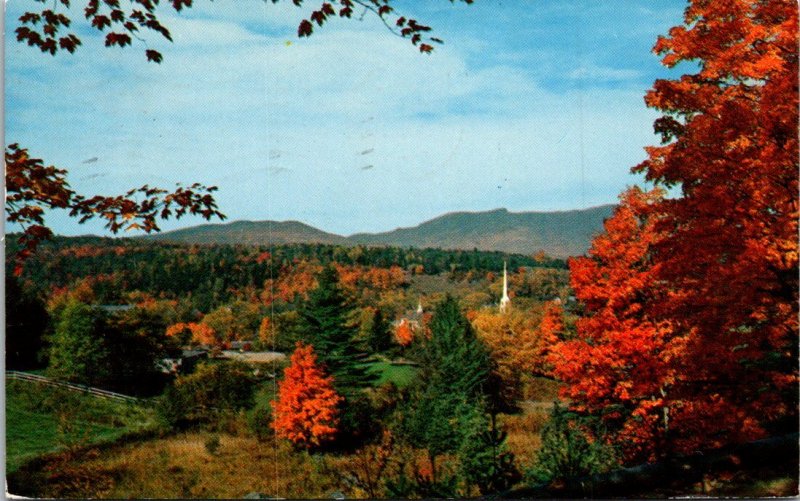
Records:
x=282, y=127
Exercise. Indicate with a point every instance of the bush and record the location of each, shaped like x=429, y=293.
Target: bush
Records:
x=259, y=423
x=212, y=444
x=485, y=461
x=572, y=446
x=208, y=395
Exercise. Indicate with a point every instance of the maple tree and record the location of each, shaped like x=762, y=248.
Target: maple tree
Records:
x=690, y=337
x=731, y=259
x=50, y=30
x=306, y=411
x=403, y=334
x=618, y=365
x=194, y=332
x=33, y=188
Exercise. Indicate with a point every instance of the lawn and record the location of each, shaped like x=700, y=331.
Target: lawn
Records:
x=400, y=374
x=41, y=419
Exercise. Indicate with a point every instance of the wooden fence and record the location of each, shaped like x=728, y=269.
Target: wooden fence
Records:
x=25, y=376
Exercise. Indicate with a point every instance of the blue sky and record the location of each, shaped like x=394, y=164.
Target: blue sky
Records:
x=529, y=105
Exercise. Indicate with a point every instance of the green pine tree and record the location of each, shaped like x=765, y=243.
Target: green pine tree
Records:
x=325, y=322
x=454, y=369
x=379, y=339
x=453, y=357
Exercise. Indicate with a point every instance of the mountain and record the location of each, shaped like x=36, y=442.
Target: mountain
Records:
x=559, y=234
x=251, y=233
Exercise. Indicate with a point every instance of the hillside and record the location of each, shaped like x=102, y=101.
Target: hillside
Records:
x=251, y=233
x=559, y=234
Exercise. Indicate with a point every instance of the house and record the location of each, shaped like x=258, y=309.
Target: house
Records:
x=412, y=318
x=183, y=363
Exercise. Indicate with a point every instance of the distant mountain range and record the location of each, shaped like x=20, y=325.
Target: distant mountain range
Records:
x=559, y=234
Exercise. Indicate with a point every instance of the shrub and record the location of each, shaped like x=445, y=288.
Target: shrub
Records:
x=212, y=444
x=572, y=446
x=259, y=423
x=211, y=393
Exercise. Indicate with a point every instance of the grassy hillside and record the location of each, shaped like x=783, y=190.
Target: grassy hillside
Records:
x=41, y=419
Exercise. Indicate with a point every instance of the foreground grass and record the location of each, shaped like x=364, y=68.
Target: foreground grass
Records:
x=179, y=466
x=42, y=419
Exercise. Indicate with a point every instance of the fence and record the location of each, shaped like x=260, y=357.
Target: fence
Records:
x=25, y=376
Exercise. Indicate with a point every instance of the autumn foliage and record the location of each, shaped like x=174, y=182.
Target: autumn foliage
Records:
x=50, y=30
x=403, y=333
x=307, y=409
x=619, y=364
x=33, y=188
x=194, y=333
x=690, y=335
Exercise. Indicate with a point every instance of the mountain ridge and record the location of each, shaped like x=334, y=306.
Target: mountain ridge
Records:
x=558, y=233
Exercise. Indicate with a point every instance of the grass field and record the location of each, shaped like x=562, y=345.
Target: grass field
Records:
x=400, y=374
x=41, y=419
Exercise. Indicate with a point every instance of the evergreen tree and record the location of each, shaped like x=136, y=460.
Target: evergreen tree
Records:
x=379, y=334
x=453, y=358
x=325, y=322
x=484, y=458
x=451, y=392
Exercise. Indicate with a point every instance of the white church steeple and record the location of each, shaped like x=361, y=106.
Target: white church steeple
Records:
x=505, y=300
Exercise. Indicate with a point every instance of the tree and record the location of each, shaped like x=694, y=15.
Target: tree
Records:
x=209, y=393
x=78, y=352
x=326, y=323
x=403, y=334
x=454, y=369
x=26, y=321
x=484, y=459
x=379, y=338
x=453, y=356
x=33, y=188
x=136, y=340
x=619, y=365
x=193, y=333
x=236, y=321
x=307, y=409
x=47, y=29
x=692, y=321
x=573, y=446
x=730, y=145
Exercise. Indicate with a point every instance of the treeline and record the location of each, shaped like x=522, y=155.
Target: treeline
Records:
x=212, y=274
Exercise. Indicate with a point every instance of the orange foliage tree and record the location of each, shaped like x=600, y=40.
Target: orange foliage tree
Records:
x=403, y=333
x=730, y=260
x=33, y=188
x=194, y=333
x=618, y=364
x=307, y=409
x=690, y=340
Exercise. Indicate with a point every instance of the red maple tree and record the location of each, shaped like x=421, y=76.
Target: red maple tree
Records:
x=731, y=259
x=307, y=409
x=618, y=364
x=690, y=339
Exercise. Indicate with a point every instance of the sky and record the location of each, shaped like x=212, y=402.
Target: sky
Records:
x=528, y=105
